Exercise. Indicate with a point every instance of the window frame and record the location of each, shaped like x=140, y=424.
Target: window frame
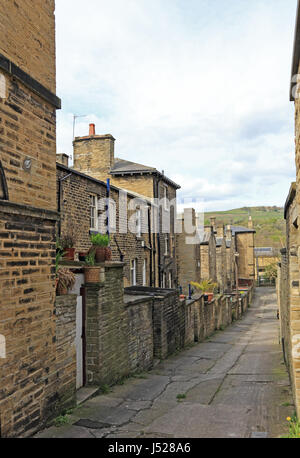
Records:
x=94, y=199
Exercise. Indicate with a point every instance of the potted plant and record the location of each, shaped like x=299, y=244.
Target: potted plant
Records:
x=58, y=257
x=207, y=287
x=67, y=244
x=100, y=247
x=91, y=272
x=69, y=239
x=66, y=280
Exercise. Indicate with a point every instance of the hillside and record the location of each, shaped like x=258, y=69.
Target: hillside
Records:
x=268, y=222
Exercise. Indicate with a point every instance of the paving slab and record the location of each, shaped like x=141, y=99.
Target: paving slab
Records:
x=235, y=386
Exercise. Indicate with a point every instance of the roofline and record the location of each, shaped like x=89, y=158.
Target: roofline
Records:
x=291, y=196
x=245, y=231
x=296, y=52
x=146, y=172
x=115, y=188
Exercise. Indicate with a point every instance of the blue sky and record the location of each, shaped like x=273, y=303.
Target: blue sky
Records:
x=198, y=88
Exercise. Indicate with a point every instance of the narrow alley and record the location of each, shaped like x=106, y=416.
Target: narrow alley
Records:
x=234, y=385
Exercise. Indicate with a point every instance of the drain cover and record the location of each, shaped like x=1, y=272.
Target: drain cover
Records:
x=259, y=435
x=91, y=424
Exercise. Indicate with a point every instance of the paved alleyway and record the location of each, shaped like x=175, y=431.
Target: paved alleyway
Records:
x=232, y=385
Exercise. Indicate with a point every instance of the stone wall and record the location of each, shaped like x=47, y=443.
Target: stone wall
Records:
x=74, y=196
x=140, y=334
x=125, y=333
x=246, y=261
x=289, y=294
x=107, y=329
x=28, y=373
x=27, y=37
x=188, y=255
x=65, y=352
x=221, y=265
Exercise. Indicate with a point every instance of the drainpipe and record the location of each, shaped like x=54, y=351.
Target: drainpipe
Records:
x=107, y=205
x=151, y=248
x=157, y=182
x=60, y=181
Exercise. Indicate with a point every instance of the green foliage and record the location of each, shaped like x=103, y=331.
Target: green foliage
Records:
x=105, y=389
x=61, y=420
x=294, y=430
x=100, y=240
x=90, y=259
x=271, y=272
x=67, y=242
x=180, y=397
x=206, y=286
x=268, y=222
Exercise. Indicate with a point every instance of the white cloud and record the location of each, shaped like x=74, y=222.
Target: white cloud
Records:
x=186, y=86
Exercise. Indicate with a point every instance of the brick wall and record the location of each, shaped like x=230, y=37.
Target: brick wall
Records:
x=65, y=351
x=107, y=329
x=140, y=334
x=246, y=260
x=188, y=258
x=125, y=333
x=27, y=37
x=208, y=260
x=75, y=209
x=28, y=375
x=221, y=266
x=289, y=295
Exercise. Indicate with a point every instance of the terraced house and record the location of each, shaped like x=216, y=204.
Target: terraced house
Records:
x=94, y=155
x=84, y=208
x=288, y=281
x=30, y=389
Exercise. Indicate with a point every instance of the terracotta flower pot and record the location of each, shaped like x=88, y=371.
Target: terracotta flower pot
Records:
x=108, y=254
x=210, y=296
x=61, y=290
x=69, y=254
x=91, y=274
x=100, y=253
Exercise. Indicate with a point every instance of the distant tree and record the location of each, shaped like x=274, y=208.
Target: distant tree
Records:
x=270, y=273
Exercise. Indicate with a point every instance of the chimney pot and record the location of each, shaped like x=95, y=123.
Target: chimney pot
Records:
x=92, y=130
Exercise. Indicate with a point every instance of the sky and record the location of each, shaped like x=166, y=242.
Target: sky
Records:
x=197, y=88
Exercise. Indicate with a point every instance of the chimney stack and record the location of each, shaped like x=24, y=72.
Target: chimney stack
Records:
x=250, y=223
x=213, y=223
x=94, y=155
x=92, y=130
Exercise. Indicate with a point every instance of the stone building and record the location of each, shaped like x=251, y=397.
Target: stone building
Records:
x=289, y=266
x=208, y=255
x=288, y=292
x=230, y=259
x=244, y=245
x=188, y=251
x=264, y=257
x=30, y=390
x=221, y=258
x=81, y=200
x=94, y=155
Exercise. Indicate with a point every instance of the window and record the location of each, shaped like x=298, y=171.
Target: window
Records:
x=164, y=280
x=93, y=213
x=166, y=198
x=145, y=273
x=170, y=280
x=138, y=223
x=166, y=245
x=133, y=264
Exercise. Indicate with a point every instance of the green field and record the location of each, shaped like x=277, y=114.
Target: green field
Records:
x=268, y=222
